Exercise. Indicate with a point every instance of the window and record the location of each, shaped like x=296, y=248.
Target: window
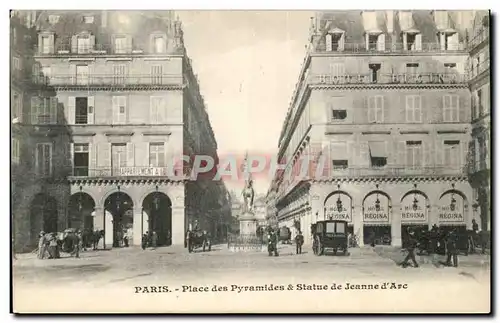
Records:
x=83, y=44
x=412, y=69
x=118, y=157
x=413, y=108
x=449, y=67
x=81, y=160
x=120, y=45
x=339, y=115
x=480, y=102
x=374, y=72
x=156, y=74
x=157, y=154
x=46, y=71
x=448, y=40
x=451, y=153
x=53, y=19
x=339, y=155
x=372, y=42
x=119, y=72
x=157, y=109
x=378, y=153
x=88, y=19
x=46, y=46
x=16, y=151
x=450, y=108
x=376, y=109
x=44, y=111
x=414, y=153
x=17, y=106
x=410, y=41
x=16, y=63
x=119, y=109
x=82, y=74
x=81, y=110
x=14, y=35
x=335, y=41
x=159, y=44
x=43, y=159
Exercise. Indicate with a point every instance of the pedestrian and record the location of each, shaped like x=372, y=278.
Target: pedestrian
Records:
x=125, y=239
x=42, y=245
x=411, y=245
x=144, y=242
x=451, y=249
x=299, y=241
x=53, y=247
x=483, y=240
x=433, y=242
x=272, y=245
x=154, y=239
x=78, y=244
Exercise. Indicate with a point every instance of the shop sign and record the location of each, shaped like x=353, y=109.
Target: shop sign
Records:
x=451, y=209
x=338, y=207
x=376, y=209
x=414, y=209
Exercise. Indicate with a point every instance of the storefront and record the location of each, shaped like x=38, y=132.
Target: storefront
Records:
x=338, y=206
x=414, y=215
x=376, y=219
x=452, y=210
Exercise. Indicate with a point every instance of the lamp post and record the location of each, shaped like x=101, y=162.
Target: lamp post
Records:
x=80, y=202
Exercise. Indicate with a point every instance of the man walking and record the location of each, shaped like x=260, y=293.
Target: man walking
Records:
x=299, y=241
x=451, y=249
x=272, y=244
x=412, y=244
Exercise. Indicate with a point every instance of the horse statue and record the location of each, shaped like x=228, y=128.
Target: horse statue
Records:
x=248, y=196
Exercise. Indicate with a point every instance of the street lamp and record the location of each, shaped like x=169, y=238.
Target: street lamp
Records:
x=156, y=199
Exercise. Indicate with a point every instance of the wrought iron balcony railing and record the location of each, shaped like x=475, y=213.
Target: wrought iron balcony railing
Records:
x=399, y=171
x=66, y=48
x=476, y=70
x=109, y=80
x=481, y=36
x=392, y=48
x=399, y=78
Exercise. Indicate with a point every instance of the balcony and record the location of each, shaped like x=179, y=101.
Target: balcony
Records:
x=401, y=78
x=478, y=69
x=481, y=36
x=134, y=171
x=65, y=49
x=398, y=171
x=106, y=80
x=360, y=48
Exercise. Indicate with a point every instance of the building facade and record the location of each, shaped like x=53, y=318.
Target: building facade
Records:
x=122, y=86
x=383, y=101
x=479, y=82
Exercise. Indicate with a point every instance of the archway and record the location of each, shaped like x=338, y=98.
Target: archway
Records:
x=43, y=215
x=338, y=206
x=159, y=208
x=80, y=208
x=414, y=214
x=376, y=218
x=120, y=205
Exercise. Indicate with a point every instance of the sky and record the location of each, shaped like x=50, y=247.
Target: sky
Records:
x=247, y=63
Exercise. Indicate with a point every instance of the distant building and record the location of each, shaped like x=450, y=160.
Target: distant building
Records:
x=384, y=96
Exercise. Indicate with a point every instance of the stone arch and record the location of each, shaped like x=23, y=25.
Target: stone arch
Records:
x=455, y=191
x=337, y=192
x=86, y=190
x=119, y=204
x=158, y=208
x=105, y=196
x=341, y=208
x=452, y=211
x=80, y=208
x=414, y=191
x=377, y=192
x=43, y=215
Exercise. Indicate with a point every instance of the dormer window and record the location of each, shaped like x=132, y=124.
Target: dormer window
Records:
x=159, y=44
x=335, y=40
x=83, y=44
x=448, y=40
x=375, y=41
x=46, y=43
x=53, y=19
x=412, y=40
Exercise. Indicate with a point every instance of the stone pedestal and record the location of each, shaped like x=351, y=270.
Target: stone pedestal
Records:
x=248, y=224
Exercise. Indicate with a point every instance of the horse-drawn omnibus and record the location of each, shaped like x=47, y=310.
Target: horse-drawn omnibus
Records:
x=329, y=234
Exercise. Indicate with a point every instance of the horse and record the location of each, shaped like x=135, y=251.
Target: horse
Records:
x=95, y=237
x=197, y=239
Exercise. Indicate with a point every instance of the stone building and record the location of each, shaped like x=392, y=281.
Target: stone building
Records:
x=383, y=97
x=39, y=150
x=124, y=88
x=479, y=82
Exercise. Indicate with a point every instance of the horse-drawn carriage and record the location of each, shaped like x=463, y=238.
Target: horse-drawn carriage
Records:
x=198, y=239
x=330, y=234
x=285, y=235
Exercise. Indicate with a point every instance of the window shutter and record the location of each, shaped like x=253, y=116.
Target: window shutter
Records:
x=92, y=42
x=460, y=109
x=152, y=43
x=442, y=41
x=129, y=45
x=74, y=44
x=446, y=108
x=381, y=42
x=72, y=157
x=427, y=150
x=342, y=42
x=418, y=42
x=145, y=161
x=116, y=110
x=35, y=72
x=371, y=108
x=130, y=154
x=71, y=109
x=328, y=42
x=474, y=100
x=35, y=102
x=104, y=155
x=72, y=73
x=40, y=44
x=90, y=109
x=409, y=109
x=401, y=153
x=453, y=42
x=417, y=103
x=93, y=159
x=53, y=110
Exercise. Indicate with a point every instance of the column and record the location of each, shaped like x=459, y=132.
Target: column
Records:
x=98, y=218
x=433, y=215
x=357, y=221
x=178, y=225
x=396, y=226
x=138, y=228
x=108, y=229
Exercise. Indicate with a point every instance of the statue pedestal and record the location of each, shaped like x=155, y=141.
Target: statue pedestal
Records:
x=248, y=224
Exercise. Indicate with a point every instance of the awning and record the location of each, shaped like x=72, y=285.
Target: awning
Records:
x=377, y=149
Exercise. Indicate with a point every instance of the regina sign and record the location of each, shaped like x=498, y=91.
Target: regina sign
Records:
x=376, y=209
x=451, y=209
x=414, y=209
x=338, y=207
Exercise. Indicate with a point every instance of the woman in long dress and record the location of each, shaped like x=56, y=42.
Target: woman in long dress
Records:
x=41, y=245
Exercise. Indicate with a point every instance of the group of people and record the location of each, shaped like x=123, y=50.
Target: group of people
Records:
x=50, y=247
x=149, y=240
x=273, y=238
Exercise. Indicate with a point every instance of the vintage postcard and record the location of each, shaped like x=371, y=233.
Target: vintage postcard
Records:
x=333, y=161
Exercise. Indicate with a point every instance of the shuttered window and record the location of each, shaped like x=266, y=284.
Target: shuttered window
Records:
x=157, y=154
x=414, y=155
x=451, y=108
x=158, y=108
x=376, y=109
x=413, y=109
x=16, y=151
x=43, y=159
x=119, y=109
x=119, y=72
x=156, y=74
x=120, y=45
x=451, y=153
